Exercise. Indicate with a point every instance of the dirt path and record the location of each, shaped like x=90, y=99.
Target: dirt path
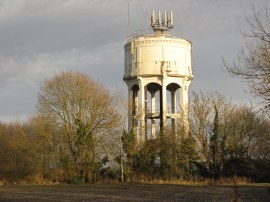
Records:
x=132, y=192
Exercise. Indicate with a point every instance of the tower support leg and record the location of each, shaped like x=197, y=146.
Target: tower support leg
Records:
x=153, y=111
x=173, y=111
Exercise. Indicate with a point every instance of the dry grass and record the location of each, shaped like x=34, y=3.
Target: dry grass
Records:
x=197, y=181
x=30, y=180
x=230, y=181
x=233, y=181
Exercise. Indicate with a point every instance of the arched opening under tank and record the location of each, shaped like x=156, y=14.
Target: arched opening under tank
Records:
x=173, y=104
x=153, y=109
x=134, y=101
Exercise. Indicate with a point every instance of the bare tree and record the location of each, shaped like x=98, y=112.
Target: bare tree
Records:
x=84, y=113
x=200, y=122
x=253, y=62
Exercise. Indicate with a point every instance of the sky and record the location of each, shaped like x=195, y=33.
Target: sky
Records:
x=40, y=38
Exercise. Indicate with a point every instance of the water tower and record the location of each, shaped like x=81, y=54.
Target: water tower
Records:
x=158, y=73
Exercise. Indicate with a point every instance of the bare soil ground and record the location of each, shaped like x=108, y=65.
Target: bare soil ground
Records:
x=133, y=192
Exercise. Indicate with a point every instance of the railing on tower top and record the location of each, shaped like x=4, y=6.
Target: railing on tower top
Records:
x=147, y=33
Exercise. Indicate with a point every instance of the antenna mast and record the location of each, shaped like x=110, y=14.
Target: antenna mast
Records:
x=163, y=22
x=128, y=20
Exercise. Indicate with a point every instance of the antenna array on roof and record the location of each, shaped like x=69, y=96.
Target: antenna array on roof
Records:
x=162, y=22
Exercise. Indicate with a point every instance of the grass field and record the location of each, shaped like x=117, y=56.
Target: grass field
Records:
x=133, y=192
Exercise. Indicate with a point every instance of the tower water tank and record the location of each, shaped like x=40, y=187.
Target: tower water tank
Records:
x=158, y=73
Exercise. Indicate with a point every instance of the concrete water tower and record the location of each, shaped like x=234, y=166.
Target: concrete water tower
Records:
x=158, y=73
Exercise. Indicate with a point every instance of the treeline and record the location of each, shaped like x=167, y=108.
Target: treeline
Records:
x=224, y=140
x=35, y=152
x=77, y=133
x=79, y=138
x=71, y=137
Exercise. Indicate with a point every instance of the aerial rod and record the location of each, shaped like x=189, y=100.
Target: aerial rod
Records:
x=128, y=17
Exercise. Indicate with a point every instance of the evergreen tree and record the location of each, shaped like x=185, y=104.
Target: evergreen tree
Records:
x=130, y=149
x=215, y=147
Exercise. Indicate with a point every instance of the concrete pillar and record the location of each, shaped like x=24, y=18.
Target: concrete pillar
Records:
x=153, y=111
x=141, y=132
x=146, y=112
x=184, y=107
x=182, y=99
x=173, y=110
x=130, y=106
x=163, y=105
x=135, y=112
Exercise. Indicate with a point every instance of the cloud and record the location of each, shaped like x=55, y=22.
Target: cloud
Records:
x=68, y=25
x=38, y=38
